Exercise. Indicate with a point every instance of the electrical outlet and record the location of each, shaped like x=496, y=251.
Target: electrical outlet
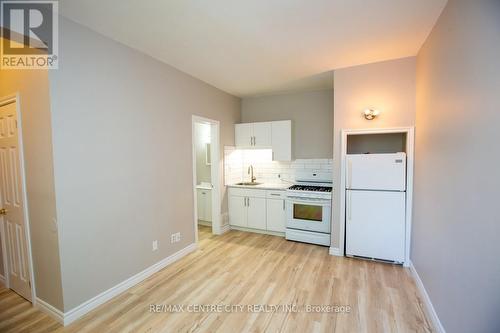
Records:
x=155, y=245
x=174, y=238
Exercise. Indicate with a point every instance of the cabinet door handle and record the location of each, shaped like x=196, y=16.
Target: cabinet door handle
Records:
x=248, y=202
x=254, y=141
x=245, y=201
x=283, y=204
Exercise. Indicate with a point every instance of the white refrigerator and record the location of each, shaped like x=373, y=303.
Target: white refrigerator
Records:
x=376, y=206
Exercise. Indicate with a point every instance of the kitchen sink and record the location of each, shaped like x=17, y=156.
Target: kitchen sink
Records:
x=248, y=183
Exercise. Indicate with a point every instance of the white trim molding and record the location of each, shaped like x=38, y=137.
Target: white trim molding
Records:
x=50, y=310
x=410, y=145
x=225, y=228
x=428, y=307
x=258, y=231
x=335, y=251
x=215, y=173
x=84, y=308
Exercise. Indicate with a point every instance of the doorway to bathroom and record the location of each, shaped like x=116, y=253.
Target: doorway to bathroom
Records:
x=206, y=166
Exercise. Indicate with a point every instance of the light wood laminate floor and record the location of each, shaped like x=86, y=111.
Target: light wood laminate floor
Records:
x=241, y=268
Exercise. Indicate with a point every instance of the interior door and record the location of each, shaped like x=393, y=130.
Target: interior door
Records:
x=262, y=135
x=12, y=205
x=375, y=224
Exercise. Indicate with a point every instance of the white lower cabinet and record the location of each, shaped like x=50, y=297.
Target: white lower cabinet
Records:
x=256, y=213
x=237, y=211
x=257, y=209
x=276, y=215
x=204, y=204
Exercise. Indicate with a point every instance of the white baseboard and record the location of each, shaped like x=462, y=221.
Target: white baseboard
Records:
x=50, y=310
x=225, y=228
x=205, y=223
x=82, y=309
x=429, y=308
x=335, y=251
x=2, y=280
x=258, y=231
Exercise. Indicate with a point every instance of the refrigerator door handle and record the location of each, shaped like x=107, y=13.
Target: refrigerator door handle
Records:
x=349, y=205
x=349, y=173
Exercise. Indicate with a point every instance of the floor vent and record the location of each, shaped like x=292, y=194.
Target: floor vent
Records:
x=377, y=259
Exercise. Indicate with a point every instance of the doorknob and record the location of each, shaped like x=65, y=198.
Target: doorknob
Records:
x=3, y=211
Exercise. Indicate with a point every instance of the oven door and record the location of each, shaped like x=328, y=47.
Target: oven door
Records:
x=309, y=214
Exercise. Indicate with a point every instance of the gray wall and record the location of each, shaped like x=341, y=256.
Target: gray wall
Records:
x=388, y=86
x=456, y=223
x=33, y=89
x=123, y=158
x=311, y=114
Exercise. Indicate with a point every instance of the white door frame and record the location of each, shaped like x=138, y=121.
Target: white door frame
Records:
x=4, y=101
x=215, y=173
x=410, y=148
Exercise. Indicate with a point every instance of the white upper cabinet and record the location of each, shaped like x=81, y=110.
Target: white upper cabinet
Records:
x=282, y=140
x=262, y=135
x=243, y=134
x=275, y=134
x=253, y=135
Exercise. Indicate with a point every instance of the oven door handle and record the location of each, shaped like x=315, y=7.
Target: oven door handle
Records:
x=295, y=199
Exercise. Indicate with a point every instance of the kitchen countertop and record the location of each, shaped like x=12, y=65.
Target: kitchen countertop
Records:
x=204, y=187
x=264, y=186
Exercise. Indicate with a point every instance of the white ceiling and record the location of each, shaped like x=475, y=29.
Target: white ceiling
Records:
x=250, y=47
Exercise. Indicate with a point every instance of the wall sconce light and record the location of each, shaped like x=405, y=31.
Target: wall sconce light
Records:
x=370, y=114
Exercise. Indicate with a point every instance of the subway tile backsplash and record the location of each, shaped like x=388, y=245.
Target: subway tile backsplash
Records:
x=237, y=161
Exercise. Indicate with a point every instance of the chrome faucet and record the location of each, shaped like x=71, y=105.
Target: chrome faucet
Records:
x=250, y=172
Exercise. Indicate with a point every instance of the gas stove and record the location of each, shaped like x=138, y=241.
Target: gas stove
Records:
x=309, y=208
x=311, y=185
x=314, y=188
